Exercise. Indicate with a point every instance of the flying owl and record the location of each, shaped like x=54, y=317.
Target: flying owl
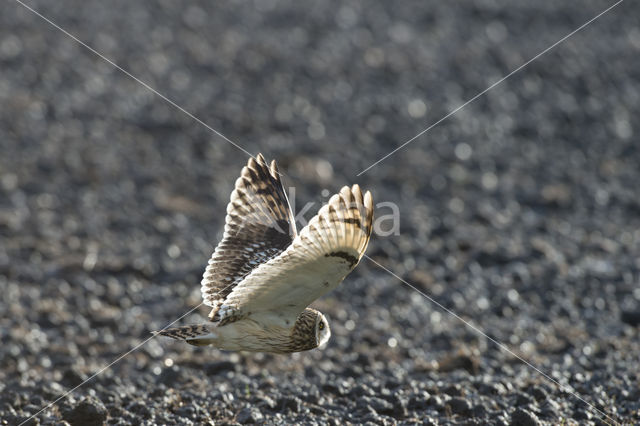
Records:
x=264, y=274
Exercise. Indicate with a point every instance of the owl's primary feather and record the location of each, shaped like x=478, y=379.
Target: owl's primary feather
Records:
x=262, y=276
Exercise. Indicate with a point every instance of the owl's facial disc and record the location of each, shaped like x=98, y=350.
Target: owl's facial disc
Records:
x=323, y=332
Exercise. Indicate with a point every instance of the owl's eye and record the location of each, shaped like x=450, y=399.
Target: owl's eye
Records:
x=321, y=325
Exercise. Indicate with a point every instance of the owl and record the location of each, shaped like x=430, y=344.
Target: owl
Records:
x=263, y=275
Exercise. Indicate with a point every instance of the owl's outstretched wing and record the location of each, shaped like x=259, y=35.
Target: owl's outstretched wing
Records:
x=326, y=250
x=258, y=227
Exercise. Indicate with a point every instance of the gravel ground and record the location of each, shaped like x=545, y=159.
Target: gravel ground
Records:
x=521, y=213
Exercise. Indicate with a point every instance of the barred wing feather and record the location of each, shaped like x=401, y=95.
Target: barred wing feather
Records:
x=318, y=259
x=259, y=226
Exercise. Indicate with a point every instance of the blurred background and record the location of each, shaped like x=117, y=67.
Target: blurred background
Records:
x=520, y=212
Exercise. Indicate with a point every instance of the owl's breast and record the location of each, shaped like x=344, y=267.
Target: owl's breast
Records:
x=256, y=333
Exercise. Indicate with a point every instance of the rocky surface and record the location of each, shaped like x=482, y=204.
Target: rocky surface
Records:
x=520, y=213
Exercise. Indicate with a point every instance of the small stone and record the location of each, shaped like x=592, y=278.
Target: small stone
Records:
x=333, y=389
x=291, y=403
x=249, y=415
x=522, y=417
x=72, y=377
x=318, y=410
x=313, y=396
x=186, y=411
x=399, y=404
x=582, y=414
x=453, y=390
x=362, y=390
x=429, y=421
x=140, y=409
x=538, y=393
x=420, y=401
x=478, y=412
x=265, y=401
x=373, y=419
x=549, y=408
x=459, y=406
x=524, y=399
x=437, y=402
x=90, y=411
x=379, y=405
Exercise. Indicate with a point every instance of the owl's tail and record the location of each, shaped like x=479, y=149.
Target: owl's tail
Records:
x=197, y=334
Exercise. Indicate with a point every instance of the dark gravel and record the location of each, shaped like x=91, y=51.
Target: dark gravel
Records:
x=521, y=213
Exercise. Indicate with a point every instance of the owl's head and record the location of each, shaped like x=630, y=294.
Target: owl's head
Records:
x=323, y=332
x=310, y=331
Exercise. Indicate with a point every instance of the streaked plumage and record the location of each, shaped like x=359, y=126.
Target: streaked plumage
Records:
x=263, y=275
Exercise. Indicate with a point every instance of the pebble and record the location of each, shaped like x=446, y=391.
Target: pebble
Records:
x=459, y=406
x=90, y=412
x=249, y=416
x=291, y=403
x=379, y=405
x=522, y=417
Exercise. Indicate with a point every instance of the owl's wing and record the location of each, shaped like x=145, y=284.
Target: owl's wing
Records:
x=258, y=227
x=326, y=250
